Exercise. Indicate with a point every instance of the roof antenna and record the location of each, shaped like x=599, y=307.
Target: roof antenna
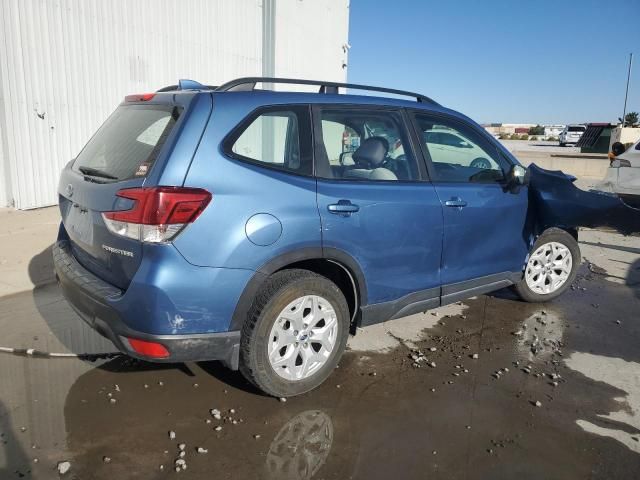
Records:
x=186, y=84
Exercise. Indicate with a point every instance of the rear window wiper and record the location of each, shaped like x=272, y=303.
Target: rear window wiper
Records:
x=94, y=172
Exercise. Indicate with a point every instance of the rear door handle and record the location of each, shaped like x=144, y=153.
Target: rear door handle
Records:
x=455, y=202
x=343, y=207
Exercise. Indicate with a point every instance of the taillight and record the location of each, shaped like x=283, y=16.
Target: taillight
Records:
x=148, y=349
x=158, y=214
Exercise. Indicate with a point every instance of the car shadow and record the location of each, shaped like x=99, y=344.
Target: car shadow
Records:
x=13, y=460
x=65, y=325
x=41, y=268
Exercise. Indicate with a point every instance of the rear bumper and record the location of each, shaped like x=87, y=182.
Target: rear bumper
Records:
x=89, y=296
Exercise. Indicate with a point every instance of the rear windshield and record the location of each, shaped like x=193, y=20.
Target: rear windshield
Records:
x=127, y=144
x=576, y=129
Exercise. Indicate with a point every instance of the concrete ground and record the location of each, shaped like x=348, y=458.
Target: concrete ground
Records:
x=377, y=416
x=25, y=238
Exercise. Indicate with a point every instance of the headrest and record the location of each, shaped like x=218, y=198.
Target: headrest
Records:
x=371, y=152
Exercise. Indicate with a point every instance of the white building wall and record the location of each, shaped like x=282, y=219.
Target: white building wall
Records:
x=66, y=64
x=311, y=39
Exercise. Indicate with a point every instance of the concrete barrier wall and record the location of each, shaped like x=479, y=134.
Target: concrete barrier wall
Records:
x=591, y=168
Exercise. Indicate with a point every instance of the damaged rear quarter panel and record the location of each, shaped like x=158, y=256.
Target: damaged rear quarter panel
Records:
x=557, y=202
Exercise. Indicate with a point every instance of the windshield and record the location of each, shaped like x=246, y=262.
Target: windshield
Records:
x=127, y=144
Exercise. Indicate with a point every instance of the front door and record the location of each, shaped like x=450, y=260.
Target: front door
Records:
x=485, y=236
x=375, y=204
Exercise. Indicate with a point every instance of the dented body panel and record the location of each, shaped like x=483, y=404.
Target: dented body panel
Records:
x=557, y=202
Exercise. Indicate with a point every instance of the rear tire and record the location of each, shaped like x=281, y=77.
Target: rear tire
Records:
x=551, y=267
x=295, y=333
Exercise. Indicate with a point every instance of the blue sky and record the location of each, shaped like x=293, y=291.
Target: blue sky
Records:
x=502, y=61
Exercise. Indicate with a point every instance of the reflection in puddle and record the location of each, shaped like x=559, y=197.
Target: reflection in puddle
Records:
x=622, y=375
x=301, y=446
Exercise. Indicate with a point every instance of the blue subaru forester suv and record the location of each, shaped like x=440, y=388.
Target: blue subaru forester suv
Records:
x=260, y=228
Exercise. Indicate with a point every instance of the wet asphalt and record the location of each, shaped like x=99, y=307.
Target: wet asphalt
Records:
x=382, y=414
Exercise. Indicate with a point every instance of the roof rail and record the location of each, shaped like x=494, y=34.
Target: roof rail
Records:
x=249, y=83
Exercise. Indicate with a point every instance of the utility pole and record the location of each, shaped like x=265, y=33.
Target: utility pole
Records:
x=626, y=93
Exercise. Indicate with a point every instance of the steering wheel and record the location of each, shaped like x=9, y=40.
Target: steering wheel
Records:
x=481, y=163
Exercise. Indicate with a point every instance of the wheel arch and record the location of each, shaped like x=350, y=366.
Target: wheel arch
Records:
x=334, y=264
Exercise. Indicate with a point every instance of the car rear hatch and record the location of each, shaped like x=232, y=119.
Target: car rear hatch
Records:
x=574, y=133
x=109, y=195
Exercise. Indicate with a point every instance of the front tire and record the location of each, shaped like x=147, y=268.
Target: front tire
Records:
x=551, y=267
x=295, y=333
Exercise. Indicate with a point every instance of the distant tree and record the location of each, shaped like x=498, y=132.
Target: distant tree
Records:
x=537, y=130
x=630, y=118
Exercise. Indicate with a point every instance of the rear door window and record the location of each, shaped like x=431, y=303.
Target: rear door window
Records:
x=364, y=144
x=576, y=129
x=127, y=144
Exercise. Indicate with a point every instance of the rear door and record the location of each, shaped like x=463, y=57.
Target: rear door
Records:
x=375, y=203
x=129, y=150
x=485, y=235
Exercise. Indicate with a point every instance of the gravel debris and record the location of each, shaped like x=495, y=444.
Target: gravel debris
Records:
x=182, y=446
x=218, y=428
x=172, y=435
x=180, y=464
x=537, y=403
x=202, y=450
x=64, y=467
x=282, y=399
x=106, y=459
x=475, y=356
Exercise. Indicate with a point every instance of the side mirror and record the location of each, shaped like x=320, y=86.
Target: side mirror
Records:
x=617, y=148
x=518, y=176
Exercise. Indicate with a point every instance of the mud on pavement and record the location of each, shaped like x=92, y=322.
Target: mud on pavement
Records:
x=493, y=388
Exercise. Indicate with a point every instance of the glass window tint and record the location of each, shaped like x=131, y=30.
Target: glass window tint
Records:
x=458, y=154
x=273, y=139
x=128, y=143
x=363, y=144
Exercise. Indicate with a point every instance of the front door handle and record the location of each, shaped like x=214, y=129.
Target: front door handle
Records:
x=455, y=202
x=343, y=207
